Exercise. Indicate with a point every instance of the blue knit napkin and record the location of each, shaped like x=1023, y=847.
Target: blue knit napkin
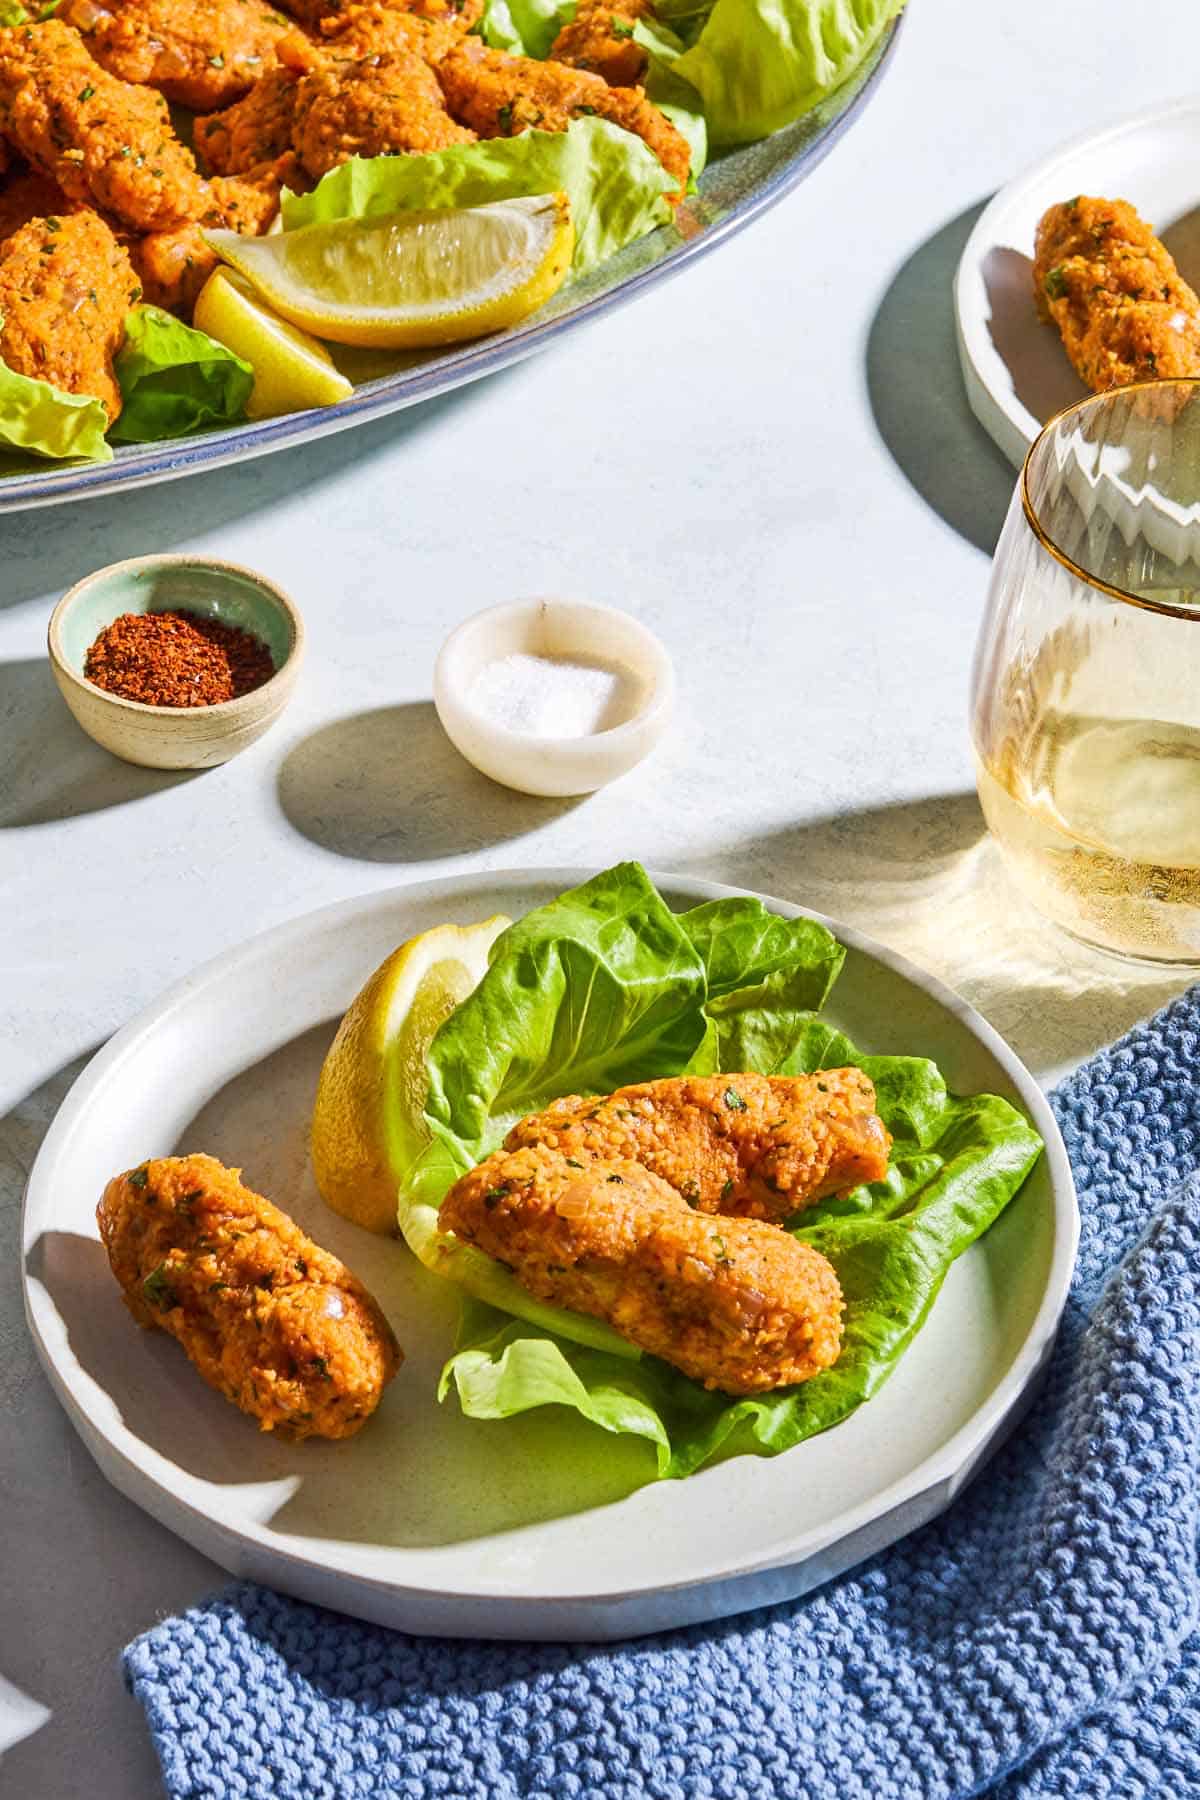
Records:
x=1038, y=1639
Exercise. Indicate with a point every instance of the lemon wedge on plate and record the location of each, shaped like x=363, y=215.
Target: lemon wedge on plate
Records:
x=366, y=1125
x=408, y=280
x=291, y=370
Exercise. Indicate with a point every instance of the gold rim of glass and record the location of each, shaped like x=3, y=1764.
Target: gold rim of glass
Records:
x=1191, y=613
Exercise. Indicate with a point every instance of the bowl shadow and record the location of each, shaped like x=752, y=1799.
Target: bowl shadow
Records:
x=917, y=395
x=56, y=771
x=388, y=786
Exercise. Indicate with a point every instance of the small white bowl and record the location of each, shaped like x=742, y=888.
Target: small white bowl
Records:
x=572, y=629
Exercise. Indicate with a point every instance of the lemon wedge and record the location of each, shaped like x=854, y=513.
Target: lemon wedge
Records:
x=411, y=279
x=291, y=370
x=366, y=1125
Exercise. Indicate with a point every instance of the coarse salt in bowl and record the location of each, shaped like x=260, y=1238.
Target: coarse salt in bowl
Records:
x=553, y=697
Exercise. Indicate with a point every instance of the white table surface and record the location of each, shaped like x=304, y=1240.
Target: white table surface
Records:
x=772, y=463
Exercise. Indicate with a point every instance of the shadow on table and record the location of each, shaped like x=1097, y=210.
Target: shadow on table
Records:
x=89, y=533
x=917, y=394
x=925, y=878
x=55, y=771
x=388, y=786
x=58, y=1510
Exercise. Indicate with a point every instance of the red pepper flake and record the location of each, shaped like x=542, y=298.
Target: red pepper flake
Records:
x=177, y=659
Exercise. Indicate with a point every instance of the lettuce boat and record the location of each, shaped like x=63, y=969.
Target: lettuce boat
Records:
x=606, y=986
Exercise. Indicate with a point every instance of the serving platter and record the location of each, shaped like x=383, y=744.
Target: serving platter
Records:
x=540, y=1526
x=1015, y=369
x=735, y=188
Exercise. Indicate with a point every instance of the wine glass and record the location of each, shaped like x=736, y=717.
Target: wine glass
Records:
x=1085, y=701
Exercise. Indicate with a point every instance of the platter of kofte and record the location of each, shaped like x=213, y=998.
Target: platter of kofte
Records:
x=225, y=228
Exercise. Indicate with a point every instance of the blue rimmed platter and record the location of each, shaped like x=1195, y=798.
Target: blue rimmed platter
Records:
x=733, y=190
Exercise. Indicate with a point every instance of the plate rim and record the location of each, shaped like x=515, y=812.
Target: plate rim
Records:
x=175, y=458
x=958, y=1456
x=1007, y=422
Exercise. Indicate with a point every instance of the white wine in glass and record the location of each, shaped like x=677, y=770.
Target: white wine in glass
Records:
x=1086, y=688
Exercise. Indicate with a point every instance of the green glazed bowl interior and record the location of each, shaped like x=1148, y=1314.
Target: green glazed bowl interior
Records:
x=172, y=586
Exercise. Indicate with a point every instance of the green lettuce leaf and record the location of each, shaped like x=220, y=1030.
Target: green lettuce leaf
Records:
x=685, y=19
x=764, y=975
x=42, y=420
x=616, y=186
x=759, y=65
x=175, y=379
x=605, y=986
x=670, y=93
x=601, y=987
x=525, y=27
x=743, y=945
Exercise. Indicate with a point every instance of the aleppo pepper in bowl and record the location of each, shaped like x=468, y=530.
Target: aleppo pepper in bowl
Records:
x=175, y=662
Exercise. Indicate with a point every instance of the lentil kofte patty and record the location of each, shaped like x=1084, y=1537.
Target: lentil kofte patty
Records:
x=748, y=1146
x=275, y=1323
x=737, y=1304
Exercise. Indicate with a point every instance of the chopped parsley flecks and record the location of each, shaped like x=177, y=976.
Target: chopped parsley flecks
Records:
x=158, y=1290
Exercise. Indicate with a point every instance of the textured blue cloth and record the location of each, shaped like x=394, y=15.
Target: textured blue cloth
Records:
x=1039, y=1639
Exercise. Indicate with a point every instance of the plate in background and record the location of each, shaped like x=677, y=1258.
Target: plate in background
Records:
x=733, y=190
x=1014, y=366
x=540, y=1526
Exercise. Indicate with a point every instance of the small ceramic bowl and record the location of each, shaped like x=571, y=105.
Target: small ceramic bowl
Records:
x=175, y=737
x=597, y=636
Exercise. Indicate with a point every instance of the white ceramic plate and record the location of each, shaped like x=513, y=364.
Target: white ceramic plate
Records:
x=1016, y=371
x=535, y=1527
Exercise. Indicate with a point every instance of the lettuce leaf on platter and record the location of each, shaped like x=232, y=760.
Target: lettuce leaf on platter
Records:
x=524, y=27
x=37, y=419
x=759, y=64
x=671, y=93
x=616, y=186
x=175, y=379
x=606, y=986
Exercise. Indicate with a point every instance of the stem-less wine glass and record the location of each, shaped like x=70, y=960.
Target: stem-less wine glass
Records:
x=1086, y=687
